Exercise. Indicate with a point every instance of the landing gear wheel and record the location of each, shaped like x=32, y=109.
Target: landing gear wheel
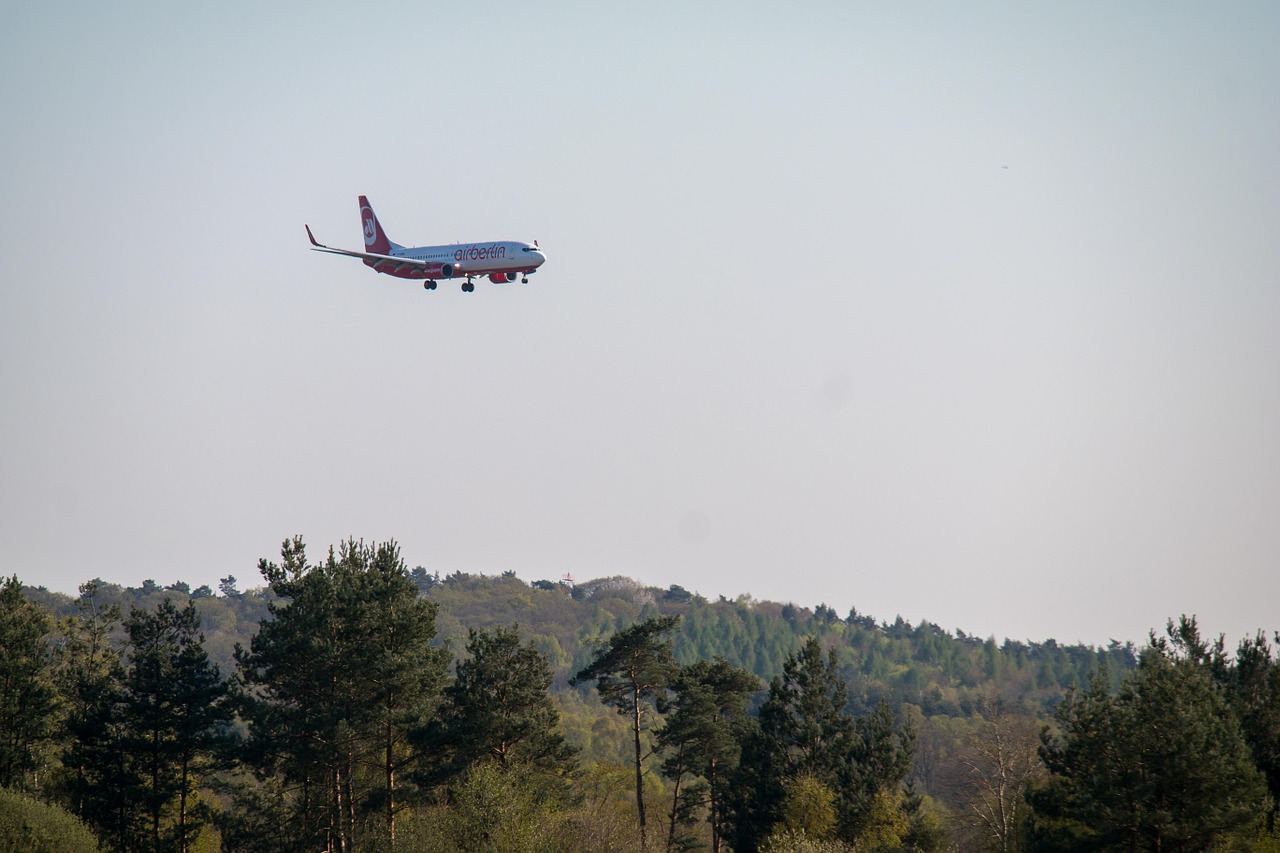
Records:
x=467, y=287
x=524, y=281
x=428, y=285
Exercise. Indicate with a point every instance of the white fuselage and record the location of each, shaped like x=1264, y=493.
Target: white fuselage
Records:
x=477, y=258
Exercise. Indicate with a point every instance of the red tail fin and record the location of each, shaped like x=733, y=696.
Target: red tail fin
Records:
x=375, y=239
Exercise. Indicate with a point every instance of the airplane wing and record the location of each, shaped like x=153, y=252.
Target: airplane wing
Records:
x=404, y=263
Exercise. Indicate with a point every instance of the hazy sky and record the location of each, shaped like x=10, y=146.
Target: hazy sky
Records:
x=968, y=312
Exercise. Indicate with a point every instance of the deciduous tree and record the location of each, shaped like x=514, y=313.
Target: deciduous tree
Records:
x=997, y=766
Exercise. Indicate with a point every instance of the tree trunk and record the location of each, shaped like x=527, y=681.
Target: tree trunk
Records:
x=639, y=777
x=155, y=787
x=675, y=801
x=391, y=785
x=714, y=807
x=182, y=807
x=349, y=822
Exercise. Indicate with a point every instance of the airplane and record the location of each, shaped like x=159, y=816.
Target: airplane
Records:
x=502, y=261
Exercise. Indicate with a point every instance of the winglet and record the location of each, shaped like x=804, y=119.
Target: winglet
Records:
x=310, y=235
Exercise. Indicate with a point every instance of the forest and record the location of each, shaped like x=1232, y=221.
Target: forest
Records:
x=355, y=704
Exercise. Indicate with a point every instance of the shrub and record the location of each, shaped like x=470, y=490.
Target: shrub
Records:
x=30, y=826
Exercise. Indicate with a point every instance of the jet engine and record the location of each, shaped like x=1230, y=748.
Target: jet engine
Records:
x=435, y=271
x=502, y=277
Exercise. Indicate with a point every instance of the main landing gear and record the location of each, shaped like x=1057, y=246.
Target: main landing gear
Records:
x=428, y=285
x=468, y=286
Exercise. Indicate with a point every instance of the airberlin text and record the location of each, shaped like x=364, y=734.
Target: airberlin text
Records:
x=480, y=253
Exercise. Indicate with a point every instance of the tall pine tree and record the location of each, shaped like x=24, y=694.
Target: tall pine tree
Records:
x=335, y=682
x=176, y=705
x=704, y=722
x=100, y=774
x=27, y=694
x=631, y=671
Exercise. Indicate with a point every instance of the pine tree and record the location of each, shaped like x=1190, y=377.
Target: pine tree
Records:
x=293, y=711
x=497, y=710
x=175, y=703
x=335, y=682
x=701, y=732
x=27, y=695
x=100, y=772
x=1254, y=692
x=1162, y=765
x=400, y=670
x=635, y=666
x=804, y=730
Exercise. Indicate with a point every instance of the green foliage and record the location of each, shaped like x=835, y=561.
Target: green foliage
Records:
x=1253, y=689
x=789, y=841
x=350, y=661
x=98, y=770
x=887, y=822
x=631, y=670
x=1160, y=765
x=705, y=721
x=27, y=694
x=940, y=672
x=30, y=826
x=174, y=706
x=337, y=680
x=996, y=763
x=808, y=808
x=497, y=709
x=496, y=809
x=804, y=730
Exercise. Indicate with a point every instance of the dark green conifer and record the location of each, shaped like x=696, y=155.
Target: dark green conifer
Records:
x=635, y=666
x=27, y=693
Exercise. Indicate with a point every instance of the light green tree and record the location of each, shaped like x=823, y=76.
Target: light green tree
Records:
x=808, y=808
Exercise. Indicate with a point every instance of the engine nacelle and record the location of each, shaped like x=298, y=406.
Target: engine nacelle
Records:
x=435, y=271
x=502, y=277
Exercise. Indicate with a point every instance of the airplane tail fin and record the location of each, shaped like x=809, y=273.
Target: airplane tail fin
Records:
x=375, y=239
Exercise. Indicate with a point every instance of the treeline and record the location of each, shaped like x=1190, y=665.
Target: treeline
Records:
x=354, y=704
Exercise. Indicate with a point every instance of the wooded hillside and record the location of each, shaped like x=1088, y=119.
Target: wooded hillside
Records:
x=357, y=669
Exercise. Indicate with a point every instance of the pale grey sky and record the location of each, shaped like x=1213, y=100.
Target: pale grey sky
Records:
x=965, y=312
